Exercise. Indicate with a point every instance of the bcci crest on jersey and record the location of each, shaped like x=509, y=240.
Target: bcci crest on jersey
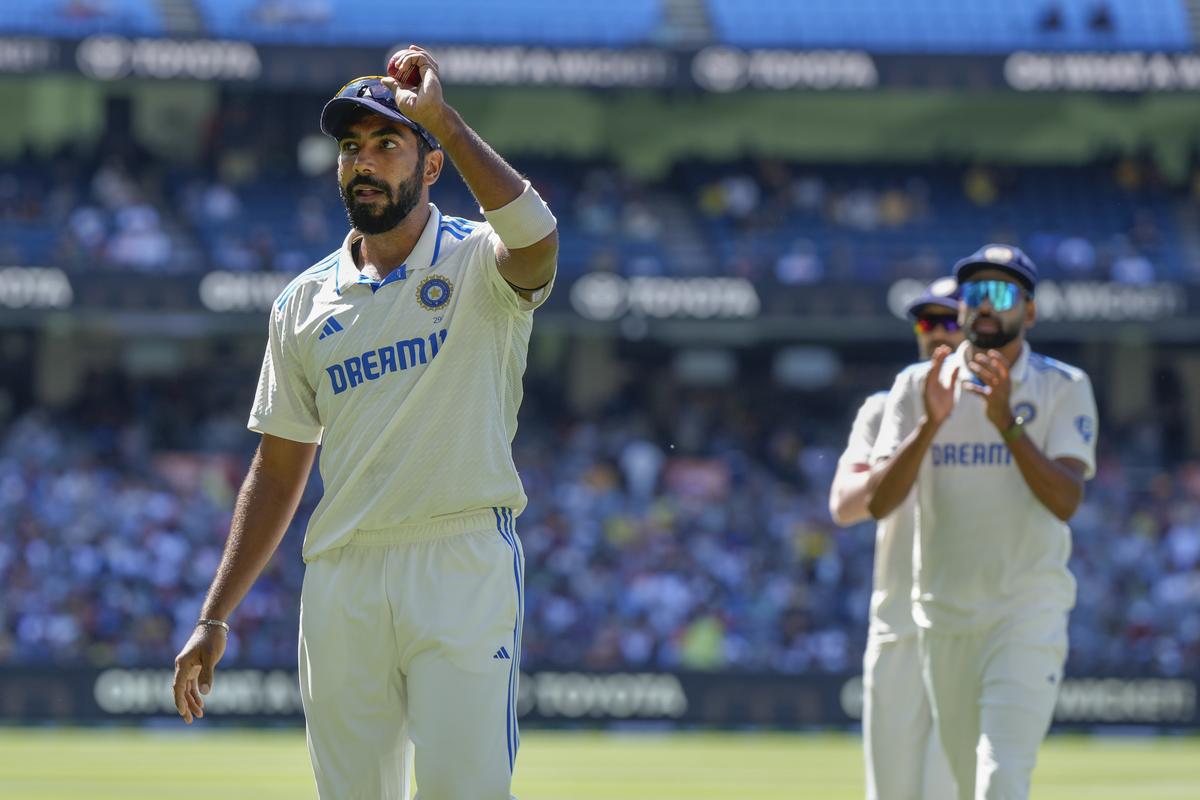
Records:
x=1086, y=428
x=434, y=292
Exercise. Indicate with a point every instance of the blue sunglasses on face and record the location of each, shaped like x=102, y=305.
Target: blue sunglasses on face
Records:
x=1002, y=294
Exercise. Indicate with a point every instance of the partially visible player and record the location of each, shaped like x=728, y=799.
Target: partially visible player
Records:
x=998, y=442
x=402, y=354
x=904, y=759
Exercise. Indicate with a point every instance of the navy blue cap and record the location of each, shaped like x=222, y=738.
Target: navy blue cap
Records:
x=942, y=293
x=367, y=92
x=999, y=256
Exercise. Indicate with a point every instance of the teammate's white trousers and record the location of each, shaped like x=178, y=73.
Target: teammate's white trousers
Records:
x=904, y=758
x=414, y=634
x=993, y=694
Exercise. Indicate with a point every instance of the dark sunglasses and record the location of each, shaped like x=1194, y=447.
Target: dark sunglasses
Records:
x=932, y=323
x=372, y=86
x=1001, y=294
x=365, y=85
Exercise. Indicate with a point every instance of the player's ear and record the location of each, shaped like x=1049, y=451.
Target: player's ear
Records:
x=434, y=161
x=1030, y=312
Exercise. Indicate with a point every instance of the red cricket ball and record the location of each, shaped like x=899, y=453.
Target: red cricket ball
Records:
x=410, y=78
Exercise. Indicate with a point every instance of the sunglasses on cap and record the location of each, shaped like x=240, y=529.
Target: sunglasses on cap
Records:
x=933, y=322
x=371, y=86
x=368, y=85
x=1001, y=294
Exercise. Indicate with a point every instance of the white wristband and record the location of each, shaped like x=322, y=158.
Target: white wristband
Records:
x=523, y=222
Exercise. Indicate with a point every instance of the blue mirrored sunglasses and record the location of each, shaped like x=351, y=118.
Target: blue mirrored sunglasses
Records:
x=372, y=86
x=1002, y=294
x=368, y=85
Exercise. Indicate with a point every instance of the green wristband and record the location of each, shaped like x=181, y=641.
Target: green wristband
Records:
x=1015, y=431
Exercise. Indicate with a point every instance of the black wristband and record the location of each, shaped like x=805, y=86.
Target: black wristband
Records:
x=523, y=289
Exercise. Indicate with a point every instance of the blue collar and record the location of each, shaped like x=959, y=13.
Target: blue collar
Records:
x=423, y=256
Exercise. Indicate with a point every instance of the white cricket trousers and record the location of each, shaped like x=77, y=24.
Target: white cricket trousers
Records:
x=993, y=694
x=414, y=634
x=904, y=758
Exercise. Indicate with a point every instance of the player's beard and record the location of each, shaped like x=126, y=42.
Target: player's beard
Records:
x=993, y=340
x=400, y=203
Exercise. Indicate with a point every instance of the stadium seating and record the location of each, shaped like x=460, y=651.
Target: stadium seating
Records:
x=118, y=525
x=76, y=18
x=902, y=26
x=1041, y=207
x=853, y=222
x=531, y=22
x=947, y=26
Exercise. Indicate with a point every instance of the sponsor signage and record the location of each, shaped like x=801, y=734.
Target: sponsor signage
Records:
x=1127, y=700
x=239, y=692
x=19, y=54
x=728, y=69
x=545, y=66
x=610, y=696
x=551, y=697
x=718, y=69
x=34, y=287
x=604, y=296
x=108, y=58
x=242, y=291
x=1102, y=72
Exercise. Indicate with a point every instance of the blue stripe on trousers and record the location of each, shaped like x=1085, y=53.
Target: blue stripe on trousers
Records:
x=503, y=525
x=516, y=670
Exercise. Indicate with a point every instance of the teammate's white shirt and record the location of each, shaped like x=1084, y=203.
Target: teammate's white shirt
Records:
x=891, y=593
x=987, y=547
x=411, y=385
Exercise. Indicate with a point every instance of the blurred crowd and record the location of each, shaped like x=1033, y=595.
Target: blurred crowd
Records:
x=683, y=531
x=249, y=208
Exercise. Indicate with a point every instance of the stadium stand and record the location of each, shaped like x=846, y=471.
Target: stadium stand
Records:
x=768, y=221
x=75, y=18
x=716, y=552
x=528, y=22
x=901, y=26
x=947, y=27
x=674, y=531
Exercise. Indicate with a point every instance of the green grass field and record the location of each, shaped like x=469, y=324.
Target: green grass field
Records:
x=121, y=764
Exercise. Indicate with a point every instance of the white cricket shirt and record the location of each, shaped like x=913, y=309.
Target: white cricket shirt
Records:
x=411, y=384
x=891, y=592
x=986, y=546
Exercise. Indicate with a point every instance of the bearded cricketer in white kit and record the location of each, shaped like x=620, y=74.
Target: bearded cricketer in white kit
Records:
x=402, y=354
x=998, y=442
x=904, y=759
